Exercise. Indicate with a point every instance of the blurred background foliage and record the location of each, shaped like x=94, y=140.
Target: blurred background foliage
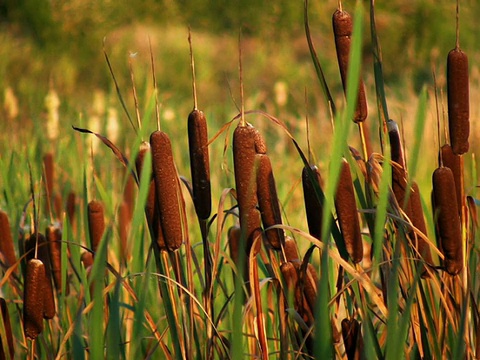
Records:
x=47, y=42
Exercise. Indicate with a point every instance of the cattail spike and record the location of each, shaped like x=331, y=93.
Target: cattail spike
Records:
x=342, y=29
x=36, y=246
x=33, y=299
x=246, y=144
x=199, y=163
x=96, y=223
x=6, y=241
x=448, y=221
x=313, y=206
x=167, y=188
x=346, y=207
x=268, y=201
x=458, y=100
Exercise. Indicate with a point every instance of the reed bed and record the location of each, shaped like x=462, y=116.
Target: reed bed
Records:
x=199, y=254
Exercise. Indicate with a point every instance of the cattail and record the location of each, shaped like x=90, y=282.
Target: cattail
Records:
x=33, y=298
x=167, y=188
x=268, y=201
x=234, y=234
x=313, y=206
x=418, y=221
x=96, y=223
x=346, y=207
x=458, y=100
x=399, y=188
x=310, y=286
x=234, y=237
x=39, y=242
x=57, y=204
x=129, y=196
x=8, y=332
x=49, y=173
x=151, y=207
x=448, y=221
x=396, y=146
x=342, y=29
x=87, y=259
x=70, y=207
x=54, y=238
x=290, y=272
x=247, y=142
x=6, y=241
x=199, y=163
x=291, y=251
x=352, y=339
x=453, y=162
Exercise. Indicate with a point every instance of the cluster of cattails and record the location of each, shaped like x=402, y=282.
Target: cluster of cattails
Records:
x=37, y=248
x=43, y=258
x=407, y=198
x=448, y=187
x=165, y=207
x=255, y=185
x=301, y=282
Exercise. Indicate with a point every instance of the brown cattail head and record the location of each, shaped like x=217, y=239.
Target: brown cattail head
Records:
x=37, y=240
x=49, y=173
x=168, y=192
x=310, y=286
x=129, y=196
x=152, y=211
x=346, y=207
x=96, y=223
x=268, y=201
x=453, y=162
x=399, y=188
x=247, y=142
x=6, y=241
x=447, y=219
x=291, y=251
x=234, y=234
x=54, y=238
x=342, y=29
x=418, y=221
x=234, y=237
x=86, y=259
x=292, y=276
x=313, y=206
x=352, y=339
x=396, y=146
x=458, y=100
x=139, y=161
x=33, y=298
x=70, y=207
x=199, y=163
x=8, y=332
